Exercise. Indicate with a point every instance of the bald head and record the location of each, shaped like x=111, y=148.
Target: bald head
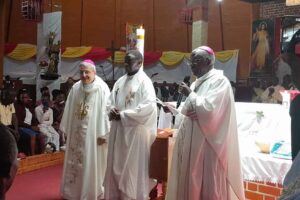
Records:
x=202, y=60
x=133, y=62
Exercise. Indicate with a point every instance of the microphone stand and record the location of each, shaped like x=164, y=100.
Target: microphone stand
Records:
x=103, y=72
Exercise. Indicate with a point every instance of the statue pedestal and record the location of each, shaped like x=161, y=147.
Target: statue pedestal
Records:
x=49, y=76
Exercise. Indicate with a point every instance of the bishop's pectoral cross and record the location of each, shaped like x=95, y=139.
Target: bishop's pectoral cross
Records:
x=113, y=50
x=82, y=109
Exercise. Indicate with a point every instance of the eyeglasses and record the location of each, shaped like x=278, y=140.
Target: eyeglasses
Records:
x=196, y=61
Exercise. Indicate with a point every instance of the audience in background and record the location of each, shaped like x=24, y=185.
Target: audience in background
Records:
x=44, y=115
x=164, y=91
x=287, y=82
x=257, y=91
x=272, y=93
x=58, y=110
x=70, y=83
x=28, y=128
x=7, y=112
x=44, y=91
x=55, y=94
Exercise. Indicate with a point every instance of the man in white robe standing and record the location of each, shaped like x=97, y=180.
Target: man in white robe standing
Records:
x=85, y=121
x=206, y=161
x=134, y=124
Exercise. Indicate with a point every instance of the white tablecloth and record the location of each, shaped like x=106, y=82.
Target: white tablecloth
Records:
x=257, y=122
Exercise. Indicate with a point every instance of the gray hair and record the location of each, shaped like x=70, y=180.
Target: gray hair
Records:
x=206, y=53
x=88, y=64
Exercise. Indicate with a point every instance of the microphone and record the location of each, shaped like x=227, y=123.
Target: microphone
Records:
x=180, y=96
x=101, y=66
x=153, y=75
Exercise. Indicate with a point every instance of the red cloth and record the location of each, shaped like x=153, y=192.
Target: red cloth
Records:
x=8, y=48
x=297, y=49
x=293, y=93
x=97, y=53
x=151, y=57
x=62, y=49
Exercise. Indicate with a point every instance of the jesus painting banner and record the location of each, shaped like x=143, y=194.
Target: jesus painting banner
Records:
x=262, y=47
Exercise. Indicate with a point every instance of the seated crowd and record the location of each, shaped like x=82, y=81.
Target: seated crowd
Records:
x=34, y=125
x=270, y=92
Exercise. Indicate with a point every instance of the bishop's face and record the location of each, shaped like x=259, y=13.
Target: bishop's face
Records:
x=199, y=65
x=132, y=65
x=87, y=75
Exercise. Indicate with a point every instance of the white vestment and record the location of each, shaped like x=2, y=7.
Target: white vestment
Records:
x=45, y=125
x=84, y=120
x=206, y=161
x=127, y=175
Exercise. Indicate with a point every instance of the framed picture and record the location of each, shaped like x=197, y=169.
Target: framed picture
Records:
x=262, y=50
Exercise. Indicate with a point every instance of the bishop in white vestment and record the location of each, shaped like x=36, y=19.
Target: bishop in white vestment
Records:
x=85, y=121
x=206, y=161
x=134, y=122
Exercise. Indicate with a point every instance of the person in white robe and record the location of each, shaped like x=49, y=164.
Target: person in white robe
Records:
x=206, y=161
x=44, y=115
x=85, y=122
x=134, y=124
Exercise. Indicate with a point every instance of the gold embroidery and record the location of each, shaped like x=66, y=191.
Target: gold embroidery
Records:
x=129, y=98
x=82, y=108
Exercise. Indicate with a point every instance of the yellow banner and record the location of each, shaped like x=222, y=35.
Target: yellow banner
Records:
x=187, y=55
x=224, y=56
x=75, y=52
x=23, y=52
x=171, y=58
x=119, y=57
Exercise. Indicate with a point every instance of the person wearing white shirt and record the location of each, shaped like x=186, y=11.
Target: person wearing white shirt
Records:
x=44, y=115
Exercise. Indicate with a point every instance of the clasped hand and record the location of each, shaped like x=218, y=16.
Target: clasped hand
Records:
x=192, y=114
x=114, y=114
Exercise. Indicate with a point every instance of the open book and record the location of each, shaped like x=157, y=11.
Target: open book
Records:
x=173, y=110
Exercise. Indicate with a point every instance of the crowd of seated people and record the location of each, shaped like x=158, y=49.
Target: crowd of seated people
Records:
x=34, y=125
x=270, y=92
x=166, y=91
x=28, y=128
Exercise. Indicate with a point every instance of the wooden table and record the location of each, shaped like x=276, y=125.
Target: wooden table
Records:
x=160, y=156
